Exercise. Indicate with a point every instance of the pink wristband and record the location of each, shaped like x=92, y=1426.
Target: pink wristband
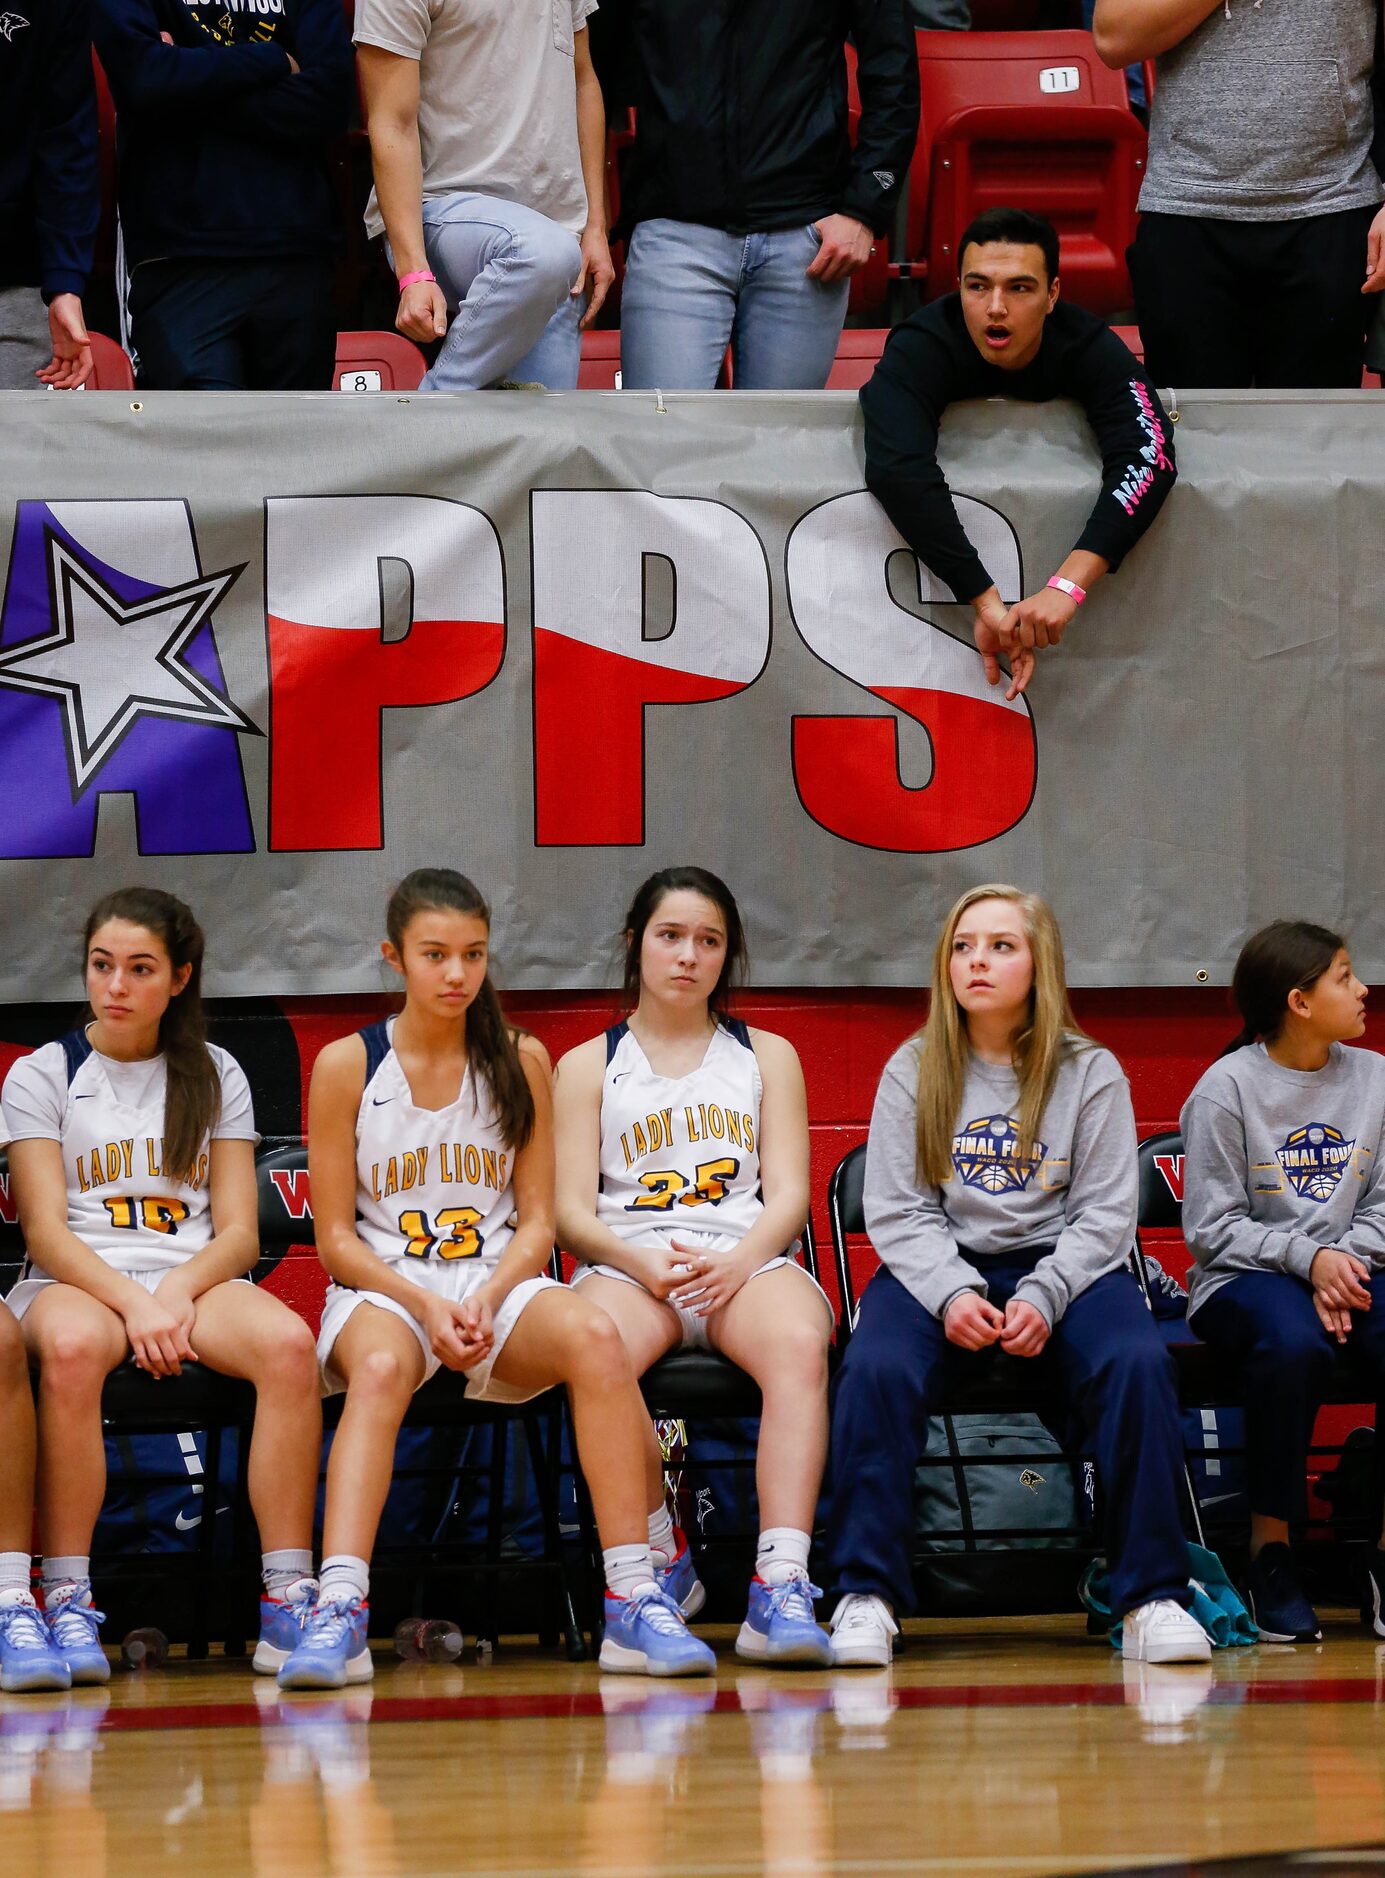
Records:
x=1069, y=587
x=412, y=280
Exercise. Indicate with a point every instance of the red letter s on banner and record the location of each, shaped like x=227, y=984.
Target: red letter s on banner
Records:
x=594, y=669
x=847, y=768
x=331, y=669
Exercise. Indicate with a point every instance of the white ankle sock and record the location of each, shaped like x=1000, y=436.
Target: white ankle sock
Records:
x=15, y=1568
x=782, y=1554
x=64, y=1577
x=288, y=1571
x=663, y=1534
x=628, y=1568
x=344, y=1577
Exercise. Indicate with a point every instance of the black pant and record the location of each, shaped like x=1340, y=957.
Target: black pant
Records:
x=237, y=325
x=1234, y=304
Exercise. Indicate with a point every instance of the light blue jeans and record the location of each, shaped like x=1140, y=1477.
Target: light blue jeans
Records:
x=508, y=272
x=691, y=291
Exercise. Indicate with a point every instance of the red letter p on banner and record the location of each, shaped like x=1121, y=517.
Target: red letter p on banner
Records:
x=596, y=665
x=333, y=672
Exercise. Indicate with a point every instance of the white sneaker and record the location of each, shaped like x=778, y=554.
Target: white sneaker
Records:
x=1163, y=1632
x=862, y=1629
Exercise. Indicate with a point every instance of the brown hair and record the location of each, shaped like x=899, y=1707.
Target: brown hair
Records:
x=492, y=1046
x=1050, y=1034
x=192, y=1099
x=1287, y=955
x=650, y=894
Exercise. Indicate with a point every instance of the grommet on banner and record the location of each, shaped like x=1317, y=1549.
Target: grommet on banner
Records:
x=660, y=408
x=1173, y=405
x=1201, y=975
x=136, y=408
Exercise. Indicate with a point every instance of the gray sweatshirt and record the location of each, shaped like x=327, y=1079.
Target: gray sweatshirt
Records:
x=1263, y=113
x=1278, y=1163
x=1077, y=1194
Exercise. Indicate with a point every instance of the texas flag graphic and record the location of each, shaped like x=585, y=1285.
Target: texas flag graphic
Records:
x=110, y=682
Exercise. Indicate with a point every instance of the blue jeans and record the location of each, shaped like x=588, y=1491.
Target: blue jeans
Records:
x=691, y=291
x=1112, y=1366
x=508, y=271
x=1266, y=1321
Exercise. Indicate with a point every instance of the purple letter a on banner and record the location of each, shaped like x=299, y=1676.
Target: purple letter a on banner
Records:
x=110, y=684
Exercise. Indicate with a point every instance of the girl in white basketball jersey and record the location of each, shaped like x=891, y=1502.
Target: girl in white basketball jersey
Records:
x=682, y=1184
x=132, y=1154
x=431, y=1158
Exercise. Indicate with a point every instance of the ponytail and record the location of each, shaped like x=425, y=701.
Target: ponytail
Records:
x=492, y=1046
x=192, y=1098
x=1289, y=955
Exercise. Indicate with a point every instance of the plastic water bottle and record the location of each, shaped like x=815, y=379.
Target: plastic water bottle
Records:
x=428, y=1640
x=144, y=1649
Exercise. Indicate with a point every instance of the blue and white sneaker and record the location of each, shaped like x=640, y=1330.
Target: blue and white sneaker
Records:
x=780, y=1626
x=333, y=1649
x=73, y=1624
x=646, y=1636
x=29, y=1659
x=1278, y=1608
x=679, y=1580
x=281, y=1629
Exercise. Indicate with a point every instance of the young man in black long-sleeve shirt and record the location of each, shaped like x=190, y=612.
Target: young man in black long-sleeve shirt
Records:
x=225, y=109
x=1006, y=335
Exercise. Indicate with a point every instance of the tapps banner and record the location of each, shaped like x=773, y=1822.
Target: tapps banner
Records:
x=273, y=652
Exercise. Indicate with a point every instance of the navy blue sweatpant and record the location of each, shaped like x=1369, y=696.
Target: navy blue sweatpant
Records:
x=1112, y=1366
x=1266, y=1320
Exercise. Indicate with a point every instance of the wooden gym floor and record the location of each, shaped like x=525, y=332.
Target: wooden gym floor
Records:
x=1010, y=1746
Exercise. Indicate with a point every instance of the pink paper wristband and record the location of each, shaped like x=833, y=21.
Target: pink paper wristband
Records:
x=412, y=280
x=1069, y=587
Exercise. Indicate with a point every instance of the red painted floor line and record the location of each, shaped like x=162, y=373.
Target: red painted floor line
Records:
x=589, y=1703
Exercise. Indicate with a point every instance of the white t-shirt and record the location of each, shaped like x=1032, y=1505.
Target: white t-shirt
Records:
x=497, y=97
x=108, y=1119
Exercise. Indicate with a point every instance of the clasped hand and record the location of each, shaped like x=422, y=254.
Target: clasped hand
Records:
x=1014, y=632
x=973, y=1322
x=1340, y=1286
x=691, y=1276
x=159, y=1326
x=460, y=1334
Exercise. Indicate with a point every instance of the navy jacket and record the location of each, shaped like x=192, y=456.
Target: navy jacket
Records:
x=741, y=110
x=50, y=198
x=223, y=147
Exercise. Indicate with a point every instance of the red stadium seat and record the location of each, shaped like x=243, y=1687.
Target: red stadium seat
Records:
x=104, y=268
x=858, y=353
x=1032, y=121
x=1131, y=336
x=600, y=367
x=870, y=287
x=378, y=362
x=111, y=368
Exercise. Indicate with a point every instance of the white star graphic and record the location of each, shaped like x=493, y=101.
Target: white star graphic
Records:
x=109, y=663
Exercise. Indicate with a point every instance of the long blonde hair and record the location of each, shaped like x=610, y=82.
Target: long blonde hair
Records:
x=1039, y=1049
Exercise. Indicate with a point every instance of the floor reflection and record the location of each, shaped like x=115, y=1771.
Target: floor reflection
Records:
x=1026, y=1756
